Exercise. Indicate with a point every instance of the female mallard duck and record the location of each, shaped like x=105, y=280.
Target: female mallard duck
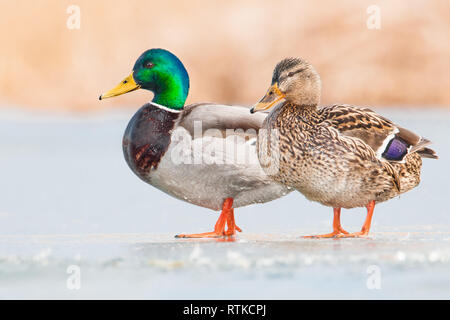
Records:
x=341, y=156
x=167, y=144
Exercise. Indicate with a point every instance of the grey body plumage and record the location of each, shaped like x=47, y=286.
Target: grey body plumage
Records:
x=219, y=175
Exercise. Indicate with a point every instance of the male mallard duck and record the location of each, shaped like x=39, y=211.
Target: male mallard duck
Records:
x=341, y=156
x=166, y=143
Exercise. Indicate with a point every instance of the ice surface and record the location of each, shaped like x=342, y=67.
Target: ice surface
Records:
x=68, y=198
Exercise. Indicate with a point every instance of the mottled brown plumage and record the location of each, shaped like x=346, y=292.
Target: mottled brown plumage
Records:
x=341, y=156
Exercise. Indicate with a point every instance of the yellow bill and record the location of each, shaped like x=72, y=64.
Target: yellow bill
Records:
x=127, y=85
x=272, y=97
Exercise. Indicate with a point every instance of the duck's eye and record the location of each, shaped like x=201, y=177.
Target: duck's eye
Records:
x=149, y=65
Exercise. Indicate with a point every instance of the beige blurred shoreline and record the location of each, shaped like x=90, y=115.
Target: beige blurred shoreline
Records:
x=229, y=49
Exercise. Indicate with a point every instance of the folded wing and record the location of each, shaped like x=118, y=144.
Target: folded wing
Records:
x=389, y=141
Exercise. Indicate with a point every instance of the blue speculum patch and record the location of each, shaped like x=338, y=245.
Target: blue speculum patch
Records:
x=396, y=149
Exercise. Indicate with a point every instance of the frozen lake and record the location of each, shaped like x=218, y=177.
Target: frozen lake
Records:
x=69, y=199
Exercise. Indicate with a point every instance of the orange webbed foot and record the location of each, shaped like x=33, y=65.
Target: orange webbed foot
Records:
x=335, y=234
x=337, y=229
x=212, y=234
x=359, y=234
x=219, y=229
x=226, y=218
x=338, y=232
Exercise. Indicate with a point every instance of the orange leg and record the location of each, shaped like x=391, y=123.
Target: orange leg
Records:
x=226, y=217
x=337, y=228
x=366, y=226
x=232, y=227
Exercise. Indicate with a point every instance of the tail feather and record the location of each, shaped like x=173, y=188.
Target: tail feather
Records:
x=421, y=148
x=421, y=144
x=427, y=153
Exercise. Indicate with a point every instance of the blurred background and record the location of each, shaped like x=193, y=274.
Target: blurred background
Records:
x=228, y=47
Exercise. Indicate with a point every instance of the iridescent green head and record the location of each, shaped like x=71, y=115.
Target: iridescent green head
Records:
x=161, y=72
